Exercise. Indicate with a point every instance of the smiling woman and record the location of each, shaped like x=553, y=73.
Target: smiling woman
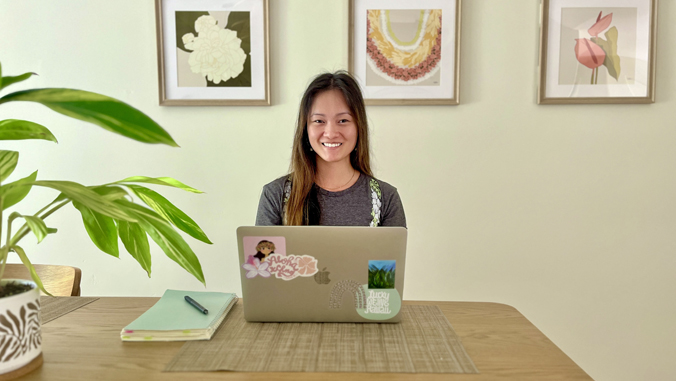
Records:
x=330, y=180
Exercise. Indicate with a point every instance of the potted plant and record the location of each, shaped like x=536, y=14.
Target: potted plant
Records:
x=108, y=211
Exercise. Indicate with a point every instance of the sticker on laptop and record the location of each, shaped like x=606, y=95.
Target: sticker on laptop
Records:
x=266, y=256
x=377, y=300
x=261, y=247
x=381, y=274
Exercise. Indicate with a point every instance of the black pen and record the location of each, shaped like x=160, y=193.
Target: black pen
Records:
x=196, y=305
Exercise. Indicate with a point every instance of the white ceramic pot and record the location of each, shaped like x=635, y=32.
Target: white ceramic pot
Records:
x=20, y=331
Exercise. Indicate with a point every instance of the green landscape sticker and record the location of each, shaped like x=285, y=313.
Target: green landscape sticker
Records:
x=381, y=274
x=382, y=299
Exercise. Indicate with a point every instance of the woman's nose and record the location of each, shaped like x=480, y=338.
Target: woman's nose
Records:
x=331, y=130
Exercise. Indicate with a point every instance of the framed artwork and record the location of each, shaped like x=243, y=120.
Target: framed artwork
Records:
x=405, y=52
x=597, y=51
x=213, y=52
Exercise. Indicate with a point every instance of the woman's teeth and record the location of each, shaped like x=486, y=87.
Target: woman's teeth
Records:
x=331, y=145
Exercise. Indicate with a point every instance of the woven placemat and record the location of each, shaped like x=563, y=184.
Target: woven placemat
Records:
x=52, y=307
x=424, y=342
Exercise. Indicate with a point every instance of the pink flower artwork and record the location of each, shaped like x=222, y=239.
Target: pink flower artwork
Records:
x=595, y=51
x=588, y=53
x=257, y=268
x=601, y=24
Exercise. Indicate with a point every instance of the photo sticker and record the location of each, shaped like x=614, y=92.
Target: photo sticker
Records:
x=381, y=274
x=257, y=252
x=262, y=247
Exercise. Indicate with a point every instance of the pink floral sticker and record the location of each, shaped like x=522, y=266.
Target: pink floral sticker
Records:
x=308, y=265
x=291, y=266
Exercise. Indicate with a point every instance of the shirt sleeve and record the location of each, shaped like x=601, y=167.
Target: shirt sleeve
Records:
x=270, y=205
x=393, y=210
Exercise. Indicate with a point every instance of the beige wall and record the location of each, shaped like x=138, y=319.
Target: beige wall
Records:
x=565, y=212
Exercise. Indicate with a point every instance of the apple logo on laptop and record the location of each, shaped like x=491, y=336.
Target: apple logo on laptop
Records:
x=322, y=277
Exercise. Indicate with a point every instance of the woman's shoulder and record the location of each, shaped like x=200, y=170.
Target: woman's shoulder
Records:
x=276, y=185
x=385, y=187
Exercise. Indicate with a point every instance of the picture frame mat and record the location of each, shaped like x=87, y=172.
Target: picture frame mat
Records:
x=258, y=18
x=447, y=92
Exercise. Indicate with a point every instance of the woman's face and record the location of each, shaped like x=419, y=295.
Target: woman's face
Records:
x=266, y=250
x=331, y=128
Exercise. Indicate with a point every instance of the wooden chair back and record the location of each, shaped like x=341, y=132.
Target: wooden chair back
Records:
x=58, y=280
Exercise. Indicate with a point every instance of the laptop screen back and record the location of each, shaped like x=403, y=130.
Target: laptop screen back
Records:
x=322, y=273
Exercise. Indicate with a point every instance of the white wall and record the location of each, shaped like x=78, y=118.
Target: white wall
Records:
x=565, y=212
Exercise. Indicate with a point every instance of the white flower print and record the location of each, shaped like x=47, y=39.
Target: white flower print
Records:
x=203, y=23
x=216, y=52
x=188, y=41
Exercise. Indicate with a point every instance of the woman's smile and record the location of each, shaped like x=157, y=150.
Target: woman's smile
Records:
x=332, y=145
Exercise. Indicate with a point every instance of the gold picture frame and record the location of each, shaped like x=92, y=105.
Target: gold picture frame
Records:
x=582, y=43
x=238, y=74
x=388, y=80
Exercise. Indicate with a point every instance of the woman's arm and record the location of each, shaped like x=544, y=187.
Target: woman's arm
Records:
x=392, y=208
x=270, y=205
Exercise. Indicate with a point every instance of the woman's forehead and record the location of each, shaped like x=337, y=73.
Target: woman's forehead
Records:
x=330, y=101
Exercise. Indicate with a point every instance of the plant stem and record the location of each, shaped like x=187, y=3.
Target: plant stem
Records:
x=592, y=78
x=597, y=76
x=45, y=208
x=24, y=229
x=11, y=241
x=6, y=251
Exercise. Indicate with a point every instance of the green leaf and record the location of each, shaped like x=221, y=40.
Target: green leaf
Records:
x=173, y=245
x=135, y=241
x=14, y=192
x=240, y=23
x=15, y=129
x=37, y=226
x=34, y=223
x=170, y=212
x=101, y=229
x=612, y=61
x=6, y=81
x=87, y=197
x=24, y=258
x=8, y=161
x=52, y=230
x=106, y=112
x=167, y=181
x=110, y=192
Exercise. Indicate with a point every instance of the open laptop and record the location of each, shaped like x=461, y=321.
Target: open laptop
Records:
x=322, y=273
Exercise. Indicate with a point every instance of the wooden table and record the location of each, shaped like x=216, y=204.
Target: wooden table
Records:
x=85, y=345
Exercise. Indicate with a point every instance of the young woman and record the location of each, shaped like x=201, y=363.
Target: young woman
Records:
x=330, y=180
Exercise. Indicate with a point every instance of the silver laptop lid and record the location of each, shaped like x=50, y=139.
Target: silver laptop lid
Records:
x=322, y=273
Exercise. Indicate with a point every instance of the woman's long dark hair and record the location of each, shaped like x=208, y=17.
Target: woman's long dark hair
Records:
x=303, y=168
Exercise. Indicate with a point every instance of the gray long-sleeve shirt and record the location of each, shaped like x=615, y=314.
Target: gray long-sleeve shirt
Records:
x=349, y=207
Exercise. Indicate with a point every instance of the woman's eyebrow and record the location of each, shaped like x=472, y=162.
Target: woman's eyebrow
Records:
x=340, y=113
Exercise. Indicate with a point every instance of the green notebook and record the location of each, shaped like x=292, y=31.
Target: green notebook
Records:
x=174, y=319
